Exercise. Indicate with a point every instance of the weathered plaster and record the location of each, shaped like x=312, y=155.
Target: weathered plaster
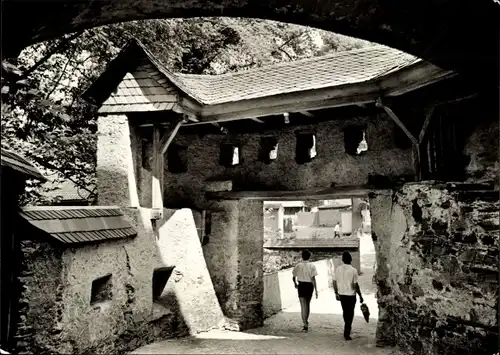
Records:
x=59, y=281
x=332, y=164
x=437, y=257
x=116, y=162
x=234, y=259
x=179, y=246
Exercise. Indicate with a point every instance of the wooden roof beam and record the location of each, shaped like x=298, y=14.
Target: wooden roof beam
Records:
x=314, y=193
x=307, y=114
x=256, y=120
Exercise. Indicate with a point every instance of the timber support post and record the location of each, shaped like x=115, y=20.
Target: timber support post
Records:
x=160, y=147
x=416, y=143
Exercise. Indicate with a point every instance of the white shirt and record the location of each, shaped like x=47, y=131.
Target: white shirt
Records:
x=346, y=276
x=304, y=271
x=337, y=228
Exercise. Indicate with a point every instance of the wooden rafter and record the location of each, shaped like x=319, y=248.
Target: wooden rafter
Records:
x=256, y=120
x=425, y=125
x=307, y=114
x=314, y=193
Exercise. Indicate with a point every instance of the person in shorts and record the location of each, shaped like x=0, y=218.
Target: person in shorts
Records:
x=304, y=279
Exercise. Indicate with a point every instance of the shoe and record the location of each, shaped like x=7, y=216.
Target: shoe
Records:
x=347, y=337
x=305, y=329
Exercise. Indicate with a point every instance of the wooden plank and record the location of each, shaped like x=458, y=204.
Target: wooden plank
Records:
x=157, y=174
x=279, y=110
x=256, y=120
x=313, y=194
x=396, y=119
x=425, y=125
x=169, y=136
x=308, y=114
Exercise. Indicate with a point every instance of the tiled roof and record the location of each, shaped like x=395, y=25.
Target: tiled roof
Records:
x=77, y=225
x=333, y=243
x=18, y=163
x=66, y=191
x=330, y=70
x=142, y=90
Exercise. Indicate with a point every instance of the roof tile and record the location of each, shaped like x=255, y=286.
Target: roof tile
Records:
x=71, y=225
x=16, y=162
x=331, y=70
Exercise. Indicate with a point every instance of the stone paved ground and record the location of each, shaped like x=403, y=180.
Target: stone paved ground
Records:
x=281, y=333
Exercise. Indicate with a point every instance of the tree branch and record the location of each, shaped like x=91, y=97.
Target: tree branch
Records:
x=62, y=45
x=61, y=76
x=50, y=166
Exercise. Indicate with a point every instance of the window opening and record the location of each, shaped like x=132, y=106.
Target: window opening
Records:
x=102, y=290
x=229, y=154
x=177, y=159
x=268, y=149
x=160, y=279
x=306, y=148
x=355, y=140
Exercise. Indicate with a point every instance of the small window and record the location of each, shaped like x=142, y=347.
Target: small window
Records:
x=102, y=290
x=355, y=140
x=268, y=149
x=229, y=154
x=305, y=150
x=160, y=279
x=177, y=159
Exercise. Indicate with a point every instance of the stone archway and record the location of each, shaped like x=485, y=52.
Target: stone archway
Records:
x=441, y=32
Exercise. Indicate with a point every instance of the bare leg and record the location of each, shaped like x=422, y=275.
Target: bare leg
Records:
x=308, y=310
x=304, y=310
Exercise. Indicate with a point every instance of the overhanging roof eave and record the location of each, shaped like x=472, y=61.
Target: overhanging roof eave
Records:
x=395, y=83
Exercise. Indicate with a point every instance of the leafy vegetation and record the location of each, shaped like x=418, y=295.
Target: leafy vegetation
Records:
x=45, y=119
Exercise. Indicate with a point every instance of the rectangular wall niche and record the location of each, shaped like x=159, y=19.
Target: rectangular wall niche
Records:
x=268, y=149
x=229, y=154
x=355, y=140
x=177, y=159
x=102, y=290
x=160, y=279
x=305, y=150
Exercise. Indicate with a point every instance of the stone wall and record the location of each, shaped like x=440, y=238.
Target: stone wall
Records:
x=41, y=287
x=437, y=275
x=331, y=165
x=57, y=314
x=234, y=259
x=279, y=259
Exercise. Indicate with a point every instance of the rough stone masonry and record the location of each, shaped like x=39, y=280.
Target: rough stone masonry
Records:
x=437, y=255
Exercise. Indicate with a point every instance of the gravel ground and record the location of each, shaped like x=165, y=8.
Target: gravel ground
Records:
x=281, y=334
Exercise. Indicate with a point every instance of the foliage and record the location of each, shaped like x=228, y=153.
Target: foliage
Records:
x=44, y=118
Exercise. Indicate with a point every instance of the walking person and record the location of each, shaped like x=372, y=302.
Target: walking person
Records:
x=304, y=279
x=345, y=284
x=336, y=230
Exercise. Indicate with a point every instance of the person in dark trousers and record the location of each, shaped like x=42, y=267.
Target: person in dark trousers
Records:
x=304, y=279
x=346, y=286
x=336, y=230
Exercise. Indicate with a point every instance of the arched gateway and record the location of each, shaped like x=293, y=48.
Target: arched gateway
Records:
x=460, y=35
